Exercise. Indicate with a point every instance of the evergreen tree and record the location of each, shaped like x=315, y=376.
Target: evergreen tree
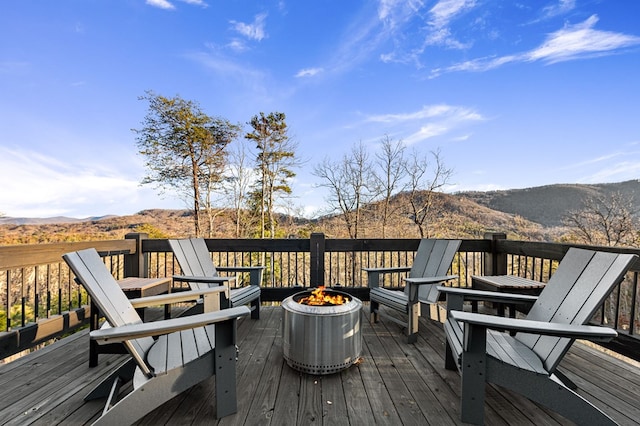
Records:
x=184, y=149
x=274, y=161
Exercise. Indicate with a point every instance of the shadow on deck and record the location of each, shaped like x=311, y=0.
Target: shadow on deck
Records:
x=395, y=383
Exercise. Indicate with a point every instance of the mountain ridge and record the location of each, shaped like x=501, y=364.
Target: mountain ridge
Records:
x=7, y=220
x=545, y=205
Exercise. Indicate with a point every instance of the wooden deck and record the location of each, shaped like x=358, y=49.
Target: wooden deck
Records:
x=394, y=384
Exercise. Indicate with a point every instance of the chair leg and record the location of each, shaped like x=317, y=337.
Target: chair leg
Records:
x=473, y=374
x=449, y=358
x=123, y=372
x=567, y=381
x=373, y=310
x=255, y=309
x=225, y=368
x=412, y=323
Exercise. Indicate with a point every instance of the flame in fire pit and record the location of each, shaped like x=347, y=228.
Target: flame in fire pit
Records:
x=319, y=297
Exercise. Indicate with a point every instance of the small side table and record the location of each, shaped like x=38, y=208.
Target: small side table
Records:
x=133, y=287
x=506, y=284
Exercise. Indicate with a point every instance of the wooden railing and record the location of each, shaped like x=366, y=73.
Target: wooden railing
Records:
x=43, y=301
x=294, y=263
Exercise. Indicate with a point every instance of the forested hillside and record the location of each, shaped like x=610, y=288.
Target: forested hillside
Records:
x=547, y=205
x=454, y=216
x=531, y=213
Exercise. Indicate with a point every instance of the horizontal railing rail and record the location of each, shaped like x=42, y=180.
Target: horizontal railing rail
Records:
x=40, y=300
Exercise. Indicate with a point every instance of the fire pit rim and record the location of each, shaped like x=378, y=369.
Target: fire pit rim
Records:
x=292, y=303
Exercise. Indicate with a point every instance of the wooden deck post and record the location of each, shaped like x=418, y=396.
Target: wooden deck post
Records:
x=495, y=263
x=317, y=248
x=136, y=264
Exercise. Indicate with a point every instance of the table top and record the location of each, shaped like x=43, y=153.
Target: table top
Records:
x=140, y=284
x=507, y=281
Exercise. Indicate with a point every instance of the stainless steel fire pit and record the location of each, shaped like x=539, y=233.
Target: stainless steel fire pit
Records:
x=321, y=339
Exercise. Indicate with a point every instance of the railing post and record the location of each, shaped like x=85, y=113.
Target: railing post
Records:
x=136, y=264
x=317, y=248
x=495, y=263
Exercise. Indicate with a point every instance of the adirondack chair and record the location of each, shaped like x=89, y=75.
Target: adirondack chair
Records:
x=199, y=271
x=430, y=265
x=187, y=350
x=525, y=359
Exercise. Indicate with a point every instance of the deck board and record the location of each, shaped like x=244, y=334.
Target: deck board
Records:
x=394, y=383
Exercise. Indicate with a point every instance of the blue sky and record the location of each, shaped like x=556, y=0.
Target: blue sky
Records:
x=513, y=94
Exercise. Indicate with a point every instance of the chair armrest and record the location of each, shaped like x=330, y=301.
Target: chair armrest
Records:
x=157, y=328
x=239, y=268
x=414, y=285
x=489, y=296
x=183, y=296
x=388, y=270
x=202, y=279
x=373, y=274
x=255, y=272
x=429, y=280
x=588, y=332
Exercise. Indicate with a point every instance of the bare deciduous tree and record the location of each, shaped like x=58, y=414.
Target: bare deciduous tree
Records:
x=422, y=187
x=237, y=184
x=349, y=182
x=604, y=221
x=390, y=167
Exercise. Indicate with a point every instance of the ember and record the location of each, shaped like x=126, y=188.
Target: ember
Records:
x=319, y=297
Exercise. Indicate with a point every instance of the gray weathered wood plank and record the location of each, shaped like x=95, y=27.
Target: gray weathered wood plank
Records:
x=364, y=389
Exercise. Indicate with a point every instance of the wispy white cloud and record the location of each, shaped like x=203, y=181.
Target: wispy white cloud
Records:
x=427, y=112
x=36, y=185
x=614, y=172
x=429, y=122
x=592, y=161
x=616, y=166
x=395, y=13
x=361, y=38
x=444, y=11
x=572, y=42
x=167, y=5
x=216, y=61
x=435, y=25
x=440, y=17
x=578, y=41
x=309, y=72
x=237, y=45
x=162, y=4
x=559, y=8
x=428, y=131
x=250, y=80
x=461, y=138
x=254, y=30
x=200, y=3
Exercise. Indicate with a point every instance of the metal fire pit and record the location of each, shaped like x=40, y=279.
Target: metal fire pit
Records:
x=321, y=339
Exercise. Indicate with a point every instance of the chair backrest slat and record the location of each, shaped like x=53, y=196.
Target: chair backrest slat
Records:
x=583, y=280
x=433, y=259
x=194, y=259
